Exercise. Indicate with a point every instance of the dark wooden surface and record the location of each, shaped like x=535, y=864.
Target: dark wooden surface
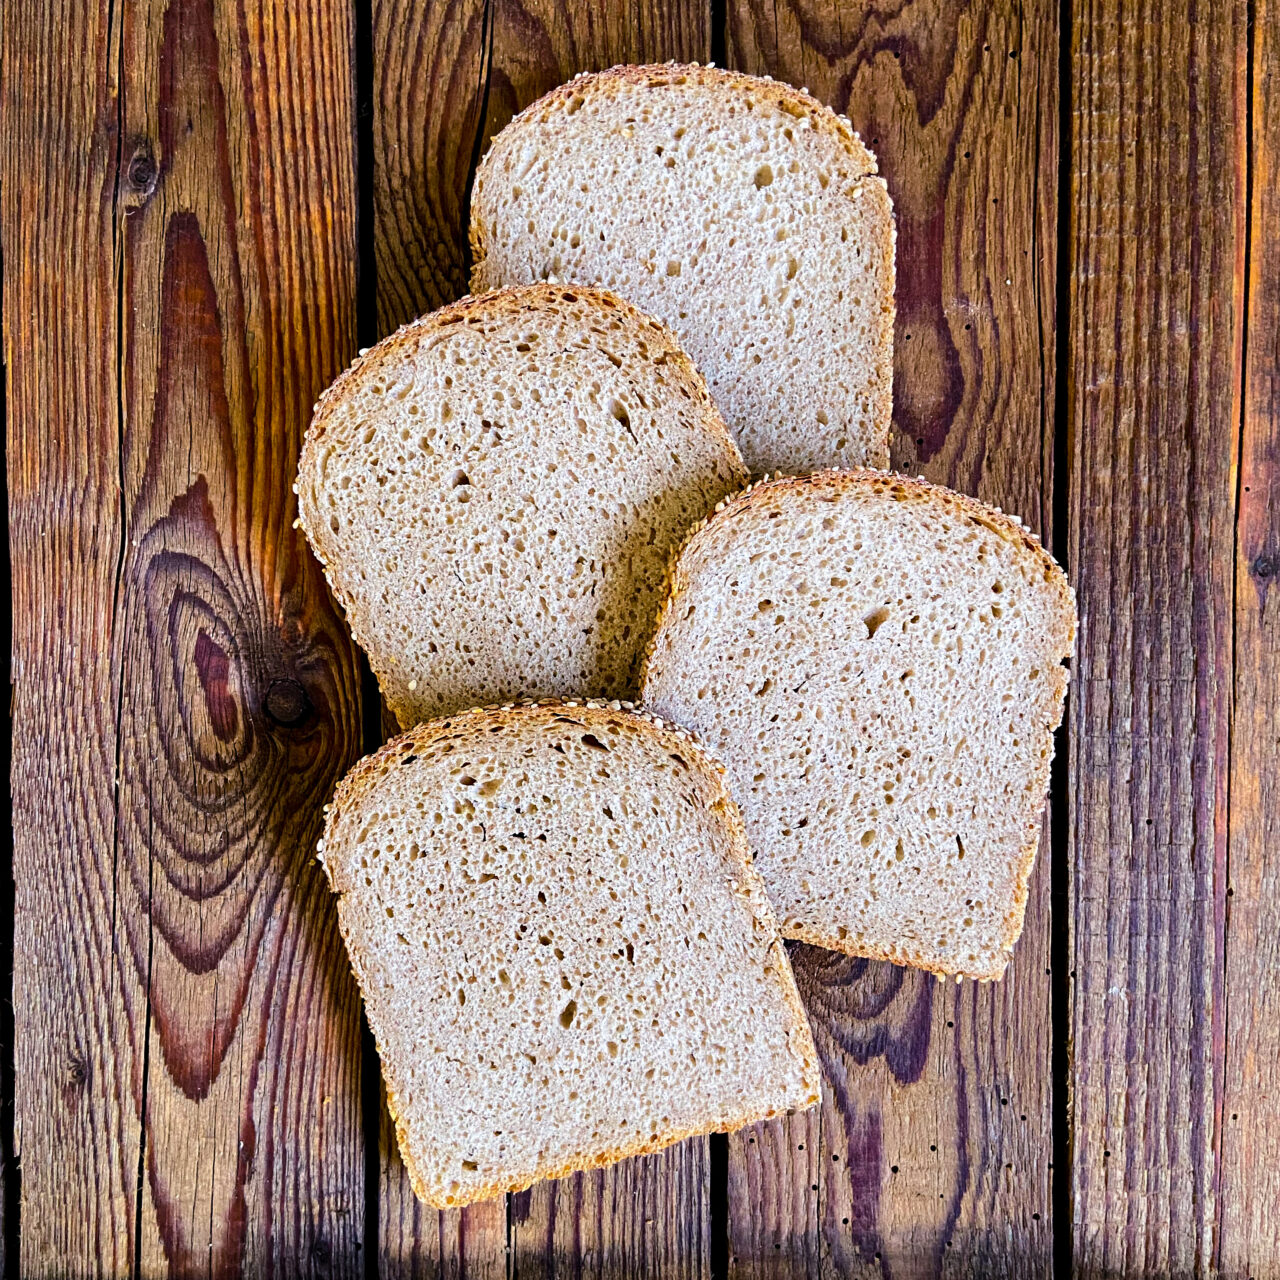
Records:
x=1157, y=333
x=195, y=216
x=179, y=247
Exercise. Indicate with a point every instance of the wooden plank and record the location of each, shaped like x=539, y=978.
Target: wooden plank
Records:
x=447, y=77
x=75, y=1117
x=429, y=67
x=430, y=63
x=178, y=219
x=1249, y=1212
x=1156, y=311
x=932, y=1151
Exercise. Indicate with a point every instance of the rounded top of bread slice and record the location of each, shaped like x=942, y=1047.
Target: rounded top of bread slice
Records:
x=495, y=489
x=879, y=662
x=742, y=212
x=565, y=952
x=632, y=82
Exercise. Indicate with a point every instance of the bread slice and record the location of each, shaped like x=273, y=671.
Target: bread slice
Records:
x=880, y=663
x=495, y=490
x=565, y=953
x=742, y=212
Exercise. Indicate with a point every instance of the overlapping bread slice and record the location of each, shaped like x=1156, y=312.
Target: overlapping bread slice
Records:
x=495, y=490
x=742, y=212
x=880, y=664
x=565, y=953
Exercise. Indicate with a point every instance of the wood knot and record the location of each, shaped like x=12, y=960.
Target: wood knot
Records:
x=142, y=172
x=287, y=703
x=1265, y=566
x=321, y=1250
x=77, y=1072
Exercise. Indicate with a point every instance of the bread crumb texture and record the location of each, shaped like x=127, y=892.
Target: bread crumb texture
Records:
x=565, y=953
x=494, y=492
x=742, y=212
x=880, y=664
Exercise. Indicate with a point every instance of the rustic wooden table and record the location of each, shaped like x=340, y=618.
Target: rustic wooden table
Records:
x=205, y=206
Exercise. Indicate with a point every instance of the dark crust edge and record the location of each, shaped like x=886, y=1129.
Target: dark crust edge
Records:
x=510, y=301
x=364, y=776
x=1004, y=526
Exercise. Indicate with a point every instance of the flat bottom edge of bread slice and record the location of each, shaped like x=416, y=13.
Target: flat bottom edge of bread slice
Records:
x=910, y=956
x=586, y=1160
x=993, y=970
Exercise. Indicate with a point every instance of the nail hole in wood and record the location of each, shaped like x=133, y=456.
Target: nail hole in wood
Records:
x=287, y=703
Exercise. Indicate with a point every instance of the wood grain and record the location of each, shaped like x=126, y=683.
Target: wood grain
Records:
x=178, y=218
x=447, y=77
x=1249, y=1199
x=430, y=65
x=1156, y=334
x=931, y=1154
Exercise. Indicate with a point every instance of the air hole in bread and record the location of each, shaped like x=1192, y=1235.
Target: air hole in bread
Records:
x=874, y=620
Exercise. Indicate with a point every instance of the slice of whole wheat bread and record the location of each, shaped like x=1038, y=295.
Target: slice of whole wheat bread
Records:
x=742, y=212
x=494, y=492
x=565, y=953
x=879, y=662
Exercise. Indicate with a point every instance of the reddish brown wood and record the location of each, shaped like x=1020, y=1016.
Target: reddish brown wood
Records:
x=177, y=213
x=1249, y=1197
x=931, y=1154
x=1156, y=333
x=178, y=221
x=419, y=1243
x=430, y=65
x=447, y=77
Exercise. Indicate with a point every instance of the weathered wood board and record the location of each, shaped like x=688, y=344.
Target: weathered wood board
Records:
x=178, y=219
x=1088, y=335
x=932, y=1152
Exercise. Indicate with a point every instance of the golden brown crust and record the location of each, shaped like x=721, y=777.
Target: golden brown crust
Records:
x=1004, y=526
x=514, y=300
x=794, y=102
x=871, y=481
x=369, y=770
x=511, y=300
